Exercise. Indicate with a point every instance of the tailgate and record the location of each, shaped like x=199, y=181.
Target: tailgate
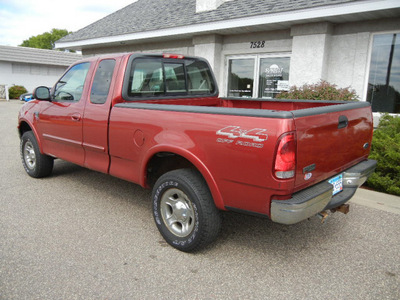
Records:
x=331, y=139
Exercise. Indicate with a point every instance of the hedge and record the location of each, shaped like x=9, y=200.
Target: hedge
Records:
x=386, y=150
x=15, y=91
x=322, y=90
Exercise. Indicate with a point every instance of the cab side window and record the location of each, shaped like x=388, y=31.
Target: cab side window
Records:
x=102, y=81
x=70, y=86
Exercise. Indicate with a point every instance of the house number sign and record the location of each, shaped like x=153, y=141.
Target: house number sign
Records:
x=257, y=44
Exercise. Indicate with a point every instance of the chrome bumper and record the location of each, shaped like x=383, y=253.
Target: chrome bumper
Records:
x=309, y=202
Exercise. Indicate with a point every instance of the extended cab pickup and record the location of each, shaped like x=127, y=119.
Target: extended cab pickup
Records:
x=157, y=120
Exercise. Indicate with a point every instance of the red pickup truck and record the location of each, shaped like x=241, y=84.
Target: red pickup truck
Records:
x=157, y=120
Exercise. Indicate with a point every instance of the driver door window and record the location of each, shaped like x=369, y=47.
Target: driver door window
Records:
x=70, y=86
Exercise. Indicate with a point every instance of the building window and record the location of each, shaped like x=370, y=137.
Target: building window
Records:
x=272, y=73
x=384, y=75
x=241, y=77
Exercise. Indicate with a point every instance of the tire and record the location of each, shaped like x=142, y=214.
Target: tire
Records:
x=184, y=210
x=36, y=164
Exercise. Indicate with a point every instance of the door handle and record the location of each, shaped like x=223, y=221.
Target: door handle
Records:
x=343, y=122
x=76, y=117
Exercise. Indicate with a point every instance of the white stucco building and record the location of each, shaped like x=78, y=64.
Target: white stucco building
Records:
x=31, y=67
x=258, y=48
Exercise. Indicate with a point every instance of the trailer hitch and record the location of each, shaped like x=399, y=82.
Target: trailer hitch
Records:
x=344, y=209
x=323, y=215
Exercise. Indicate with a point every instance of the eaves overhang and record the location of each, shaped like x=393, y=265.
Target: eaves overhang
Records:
x=349, y=12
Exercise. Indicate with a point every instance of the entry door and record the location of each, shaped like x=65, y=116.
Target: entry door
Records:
x=60, y=120
x=258, y=76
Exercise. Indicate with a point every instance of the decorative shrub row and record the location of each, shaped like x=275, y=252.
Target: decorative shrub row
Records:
x=319, y=91
x=15, y=91
x=386, y=150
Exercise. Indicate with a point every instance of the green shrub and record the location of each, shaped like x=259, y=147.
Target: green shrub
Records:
x=320, y=91
x=15, y=91
x=386, y=150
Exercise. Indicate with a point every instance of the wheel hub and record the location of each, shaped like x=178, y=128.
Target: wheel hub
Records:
x=177, y=212
x=29, y=155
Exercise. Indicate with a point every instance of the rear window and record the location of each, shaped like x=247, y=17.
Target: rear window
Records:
x=159, y=77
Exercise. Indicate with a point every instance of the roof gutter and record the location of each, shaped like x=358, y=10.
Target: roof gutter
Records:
x=266, y=19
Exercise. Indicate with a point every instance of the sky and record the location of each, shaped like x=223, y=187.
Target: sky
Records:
x=21, y=19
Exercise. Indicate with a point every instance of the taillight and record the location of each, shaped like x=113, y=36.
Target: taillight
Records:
x=285, y=157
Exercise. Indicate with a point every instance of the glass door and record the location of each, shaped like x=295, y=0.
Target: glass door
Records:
x=241, y=77
x=258, y=76
x=273, y=76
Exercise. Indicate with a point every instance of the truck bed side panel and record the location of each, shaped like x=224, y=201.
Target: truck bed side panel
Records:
x=236, y=150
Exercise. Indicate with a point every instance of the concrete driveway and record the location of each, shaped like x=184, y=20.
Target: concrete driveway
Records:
x=80, y=234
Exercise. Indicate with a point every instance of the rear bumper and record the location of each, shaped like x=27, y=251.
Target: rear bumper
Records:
x=309, y=202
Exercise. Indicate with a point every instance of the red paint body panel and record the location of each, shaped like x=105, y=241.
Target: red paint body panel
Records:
x=232, y=142
x=95, y=128
x=320, y=142
x=60, y=129
x=237, y=170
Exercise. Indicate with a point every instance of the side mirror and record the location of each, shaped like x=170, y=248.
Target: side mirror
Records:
x=42, y=93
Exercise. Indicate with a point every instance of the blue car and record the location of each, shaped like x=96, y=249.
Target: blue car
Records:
x=26, y=97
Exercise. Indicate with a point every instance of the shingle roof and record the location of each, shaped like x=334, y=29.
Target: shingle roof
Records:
x=37, y=56
x=148, y=15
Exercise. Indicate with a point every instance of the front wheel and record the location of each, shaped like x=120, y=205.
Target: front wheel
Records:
x=35, y=163
x=184, y=210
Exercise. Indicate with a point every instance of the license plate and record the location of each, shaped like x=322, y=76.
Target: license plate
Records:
x=337, y=183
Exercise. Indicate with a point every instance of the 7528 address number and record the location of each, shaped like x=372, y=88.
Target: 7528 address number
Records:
x=257, y=44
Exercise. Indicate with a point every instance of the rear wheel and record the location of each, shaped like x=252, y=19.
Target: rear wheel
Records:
x=184, y=210
x=35, y=163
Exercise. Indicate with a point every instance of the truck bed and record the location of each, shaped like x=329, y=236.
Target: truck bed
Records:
x=324, y=146
x=248, y=107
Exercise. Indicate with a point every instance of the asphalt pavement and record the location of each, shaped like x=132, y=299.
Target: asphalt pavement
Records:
x=81, y=234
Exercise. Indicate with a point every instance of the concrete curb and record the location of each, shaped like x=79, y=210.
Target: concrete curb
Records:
x=381, y=201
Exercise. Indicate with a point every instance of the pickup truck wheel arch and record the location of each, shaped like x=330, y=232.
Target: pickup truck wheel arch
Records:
x=36, y=164
x=25, y=126
x=162, y=162
x=184, y=211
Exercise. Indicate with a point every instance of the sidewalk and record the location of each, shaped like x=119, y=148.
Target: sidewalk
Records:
x=385, y=202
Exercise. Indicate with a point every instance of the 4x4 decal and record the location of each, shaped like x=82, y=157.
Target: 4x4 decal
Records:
x=235, y=132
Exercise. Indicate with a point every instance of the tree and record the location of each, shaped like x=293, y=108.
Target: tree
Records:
x=45, y=40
